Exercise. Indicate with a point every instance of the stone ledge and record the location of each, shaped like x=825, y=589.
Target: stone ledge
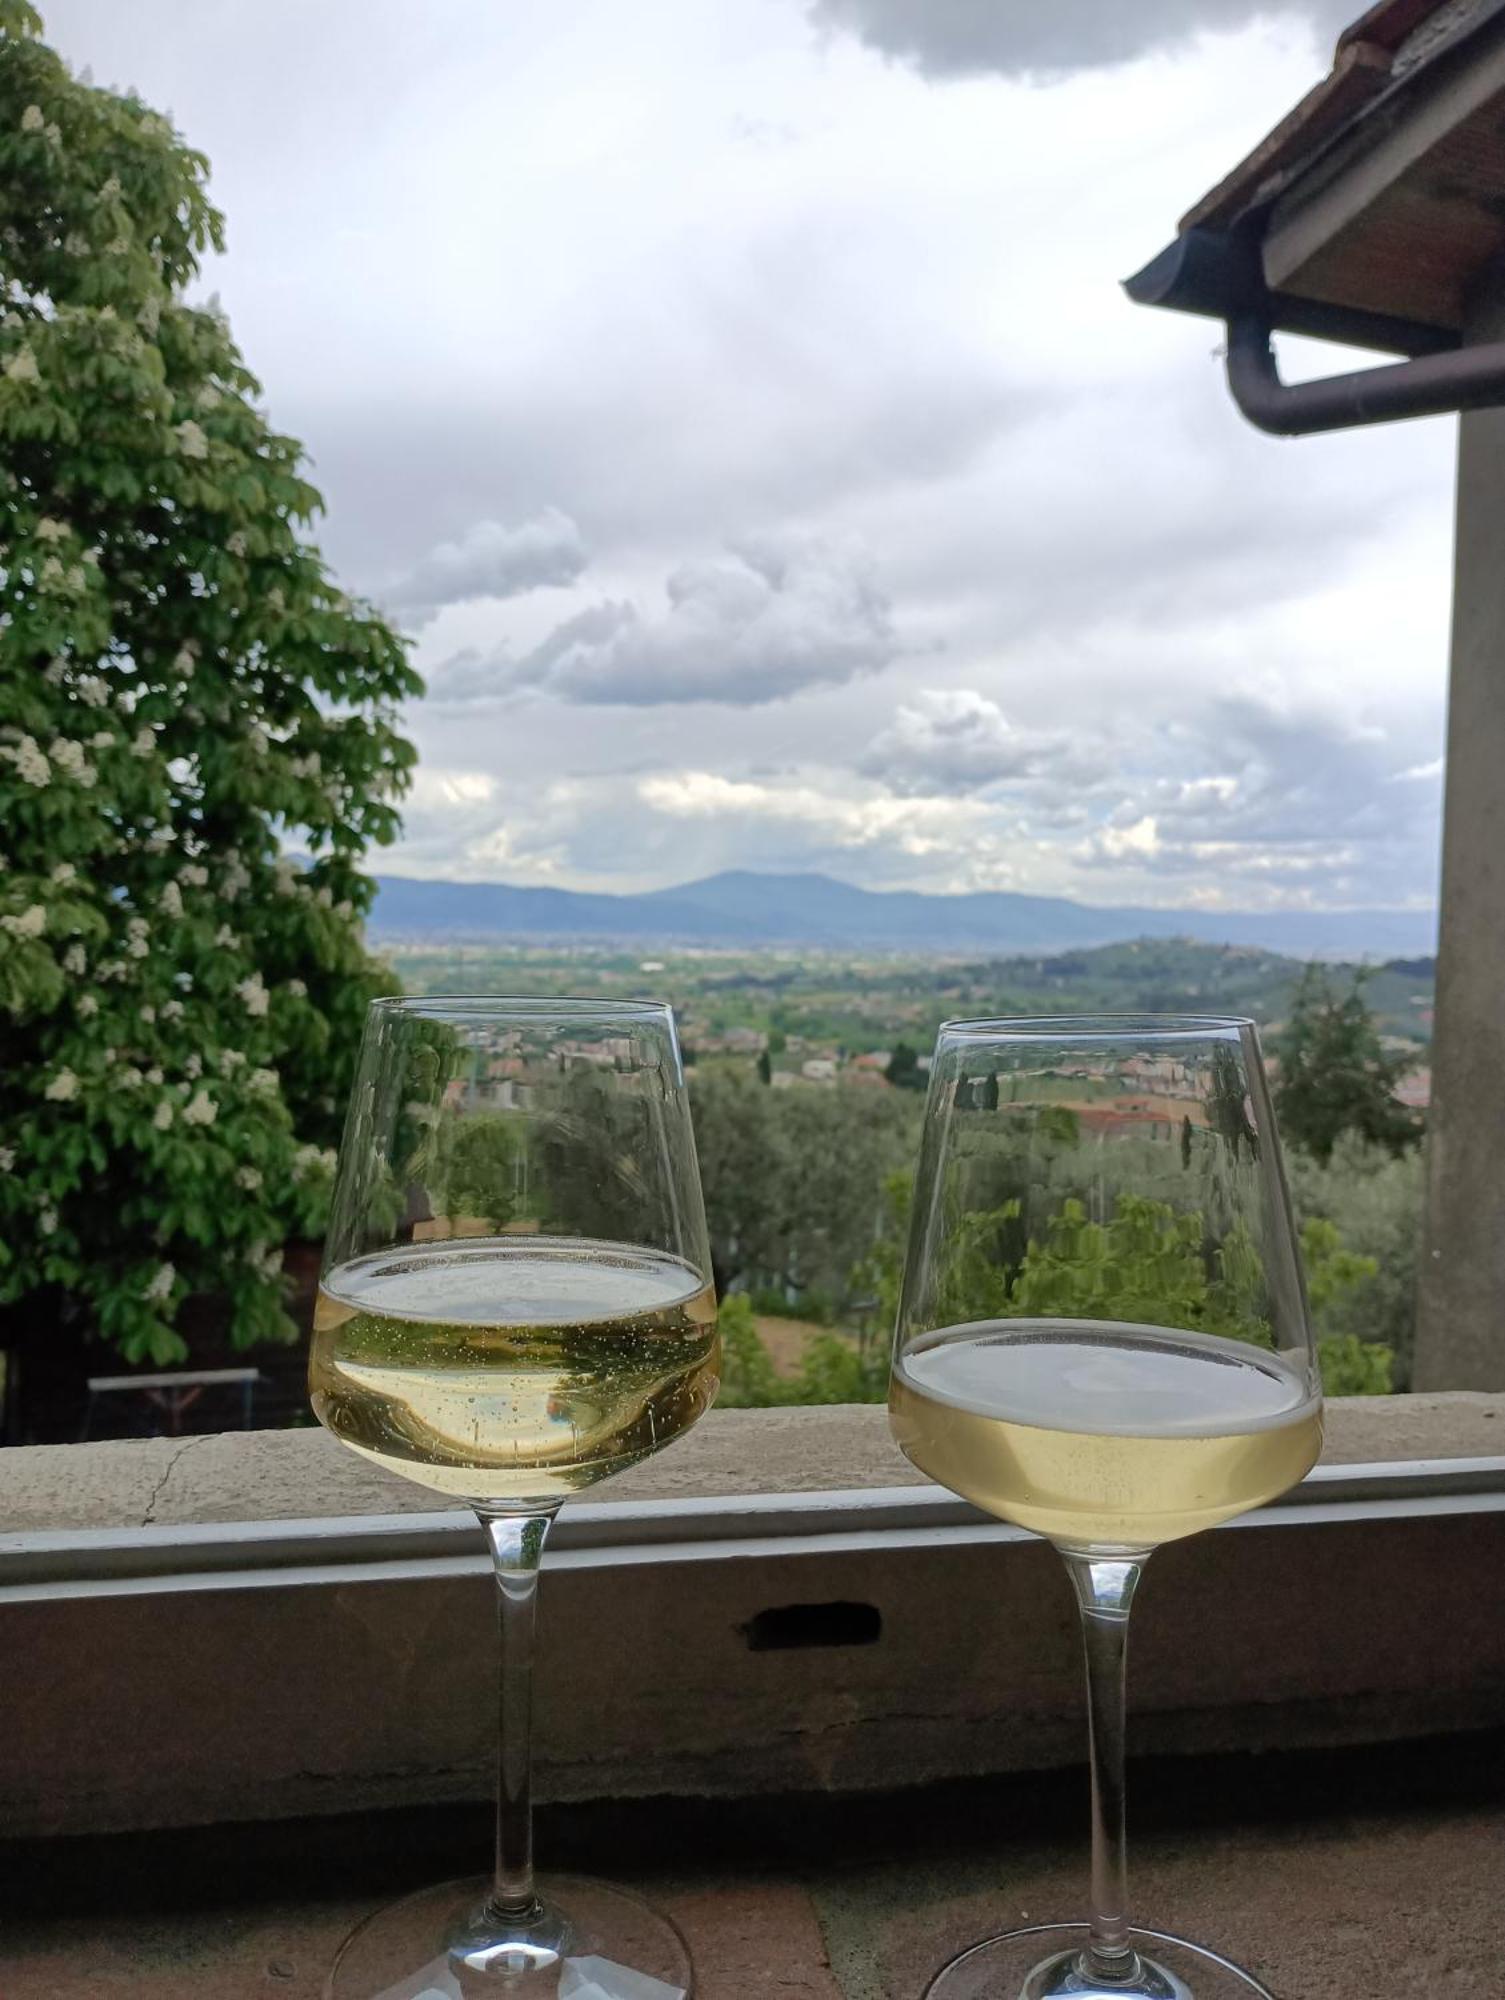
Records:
x=305, y=1474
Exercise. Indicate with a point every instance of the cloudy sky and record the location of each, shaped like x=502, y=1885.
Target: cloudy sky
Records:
x=737, y=404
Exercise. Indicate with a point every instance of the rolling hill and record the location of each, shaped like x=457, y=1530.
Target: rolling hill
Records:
x=740, y=908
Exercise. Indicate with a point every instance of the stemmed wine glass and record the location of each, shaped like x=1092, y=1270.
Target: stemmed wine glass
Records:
x=516, y=1302
x=1103, y=1336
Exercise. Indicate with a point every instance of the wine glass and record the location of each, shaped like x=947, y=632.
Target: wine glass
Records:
x=1103, y=1336
x=515, y=1303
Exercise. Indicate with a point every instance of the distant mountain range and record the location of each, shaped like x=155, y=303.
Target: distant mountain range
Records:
x=741, y=908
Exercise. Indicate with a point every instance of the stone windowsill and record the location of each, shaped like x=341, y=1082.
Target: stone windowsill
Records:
x=305, y=1475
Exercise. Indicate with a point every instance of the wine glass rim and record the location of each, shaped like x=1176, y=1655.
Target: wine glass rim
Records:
x=1097, y=1027
x=523, y=1005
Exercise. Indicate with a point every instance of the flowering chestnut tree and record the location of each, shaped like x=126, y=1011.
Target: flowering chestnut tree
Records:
x=184, y=695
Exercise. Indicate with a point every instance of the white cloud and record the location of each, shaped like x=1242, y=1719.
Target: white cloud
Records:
x=955, y=739
x=707, y=281
x=491, y=560
x=779, y=616
x=866, y=818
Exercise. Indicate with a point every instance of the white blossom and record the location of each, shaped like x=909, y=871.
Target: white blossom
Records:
x=22, y=367
x=253, y=995
x=200, y=1109
x=111, y=189
x=7, y=1159
x=160, y=1288
x=170, y=902
x=344, y=911
x=143, y=743
x=235, y=879
x=230, y=1060
x=193, y=1064
x=47, y=1219
x=76, y=244
x=286, y=878
x=248, y=1178
x=305, y=767
x=207, y=398
x=276, y=599
x=55, y=672
x=88, y=1006
x=111, y=968
x=236, y=544
x=157, y=843
x=67, y=755
x=194, y=874
x=257, y=740
x=225, y=938
x=137, y=938
x=91, y=557
x=30, y=924
x=62, y=1088
x=49, y=530
x=148, y=1015
x=64, y=873
x=53, y=133
x=191, y=440
x=182, y=661
x=101, y=740
x=150, y=318
x=172, y=1010
x=92, y=689
x=32, y=119
x=265, y=1258
x=129, y=1078
x=75, y=960
x=30, y=760
x=154, y=1077
x=162, y=1116
x=297, y=988
x=263, y=1083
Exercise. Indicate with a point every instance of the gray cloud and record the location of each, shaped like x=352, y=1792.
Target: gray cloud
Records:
x=491, y=560
x=957, y=740
x=779, y=616
x=1305, y=802
x=949, y=38
x=795, y=287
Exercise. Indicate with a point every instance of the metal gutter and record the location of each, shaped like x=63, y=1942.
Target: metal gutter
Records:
x=1470, y=378
x=1221, y=272
x=63, y=1564
x=1218, y=274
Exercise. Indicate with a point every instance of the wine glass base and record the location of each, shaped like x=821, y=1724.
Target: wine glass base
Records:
x=585, y=1941
x=1044, y=1963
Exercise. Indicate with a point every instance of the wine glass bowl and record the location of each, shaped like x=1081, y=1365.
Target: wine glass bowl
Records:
x=1103, y=1337
x=515, y=1304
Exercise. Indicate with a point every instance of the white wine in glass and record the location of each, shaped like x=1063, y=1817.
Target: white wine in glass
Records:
x=1103, y=1337
x=516, y=1303
x=512, y=1370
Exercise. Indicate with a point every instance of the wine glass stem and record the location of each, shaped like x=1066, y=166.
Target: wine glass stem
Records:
x=516, y=1550
x=1105, y=1589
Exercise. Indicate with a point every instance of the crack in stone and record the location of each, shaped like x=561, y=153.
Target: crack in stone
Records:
x=169, y=1469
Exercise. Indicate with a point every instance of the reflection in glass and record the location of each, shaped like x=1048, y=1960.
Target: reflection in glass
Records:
x=516, y=1303
x=1103, y=1337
